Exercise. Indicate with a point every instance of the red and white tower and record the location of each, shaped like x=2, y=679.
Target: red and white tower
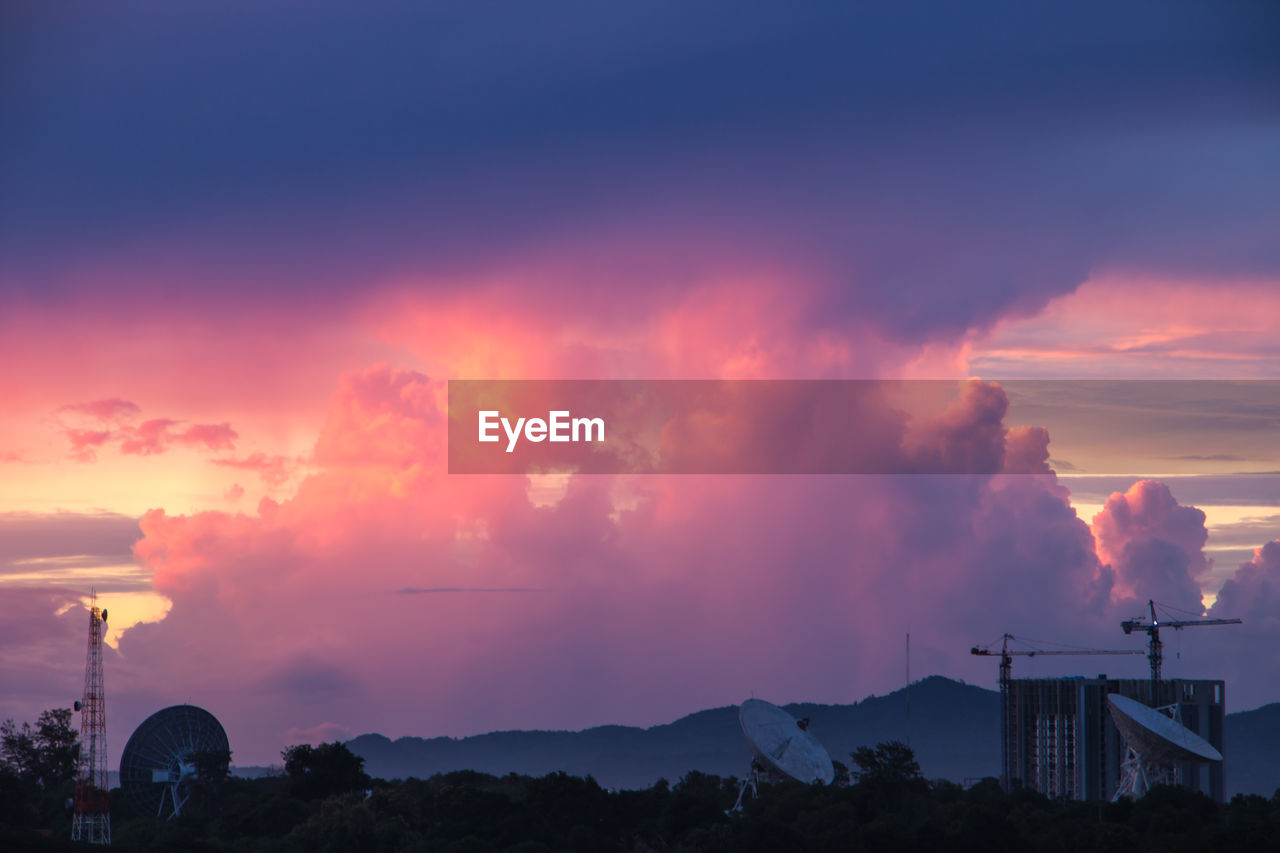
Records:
x=92, y=819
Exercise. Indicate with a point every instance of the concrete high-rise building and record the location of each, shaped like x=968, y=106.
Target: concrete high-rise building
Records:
x=1058, y=737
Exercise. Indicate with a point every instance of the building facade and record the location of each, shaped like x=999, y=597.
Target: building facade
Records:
x=1058, y=737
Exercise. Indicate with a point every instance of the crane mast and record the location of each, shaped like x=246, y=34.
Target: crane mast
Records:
x=1155, y=648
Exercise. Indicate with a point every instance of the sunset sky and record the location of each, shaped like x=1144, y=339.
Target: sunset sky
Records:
x=243, y=247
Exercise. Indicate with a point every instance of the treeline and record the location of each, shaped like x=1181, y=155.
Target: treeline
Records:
x=323, y=801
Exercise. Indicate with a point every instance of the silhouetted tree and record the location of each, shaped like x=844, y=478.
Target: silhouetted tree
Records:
x=890, y=808
x=324, y=770
x=47, y=753
x=18, y=748
x=891, y=762
x=212, y=766
x=889, y=772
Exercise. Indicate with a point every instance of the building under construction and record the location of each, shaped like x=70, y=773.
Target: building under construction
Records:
x=1059, y=738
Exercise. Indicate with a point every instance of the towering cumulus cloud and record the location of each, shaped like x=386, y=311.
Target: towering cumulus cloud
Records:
x=1154, y=545
x=1243, y=654
x=1254, y=591
x=467, y=590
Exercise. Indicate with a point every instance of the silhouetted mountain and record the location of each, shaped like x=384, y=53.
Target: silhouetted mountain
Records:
x=953, y=728
x=1253, y=751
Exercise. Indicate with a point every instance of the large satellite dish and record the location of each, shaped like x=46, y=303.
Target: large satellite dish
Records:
x=781, y=746
x=159, y=761
x=778, y=740
x=1156, y=743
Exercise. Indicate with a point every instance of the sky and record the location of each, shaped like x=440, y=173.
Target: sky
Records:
x=244, y=248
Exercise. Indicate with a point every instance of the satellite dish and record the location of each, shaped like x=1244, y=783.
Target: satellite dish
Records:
x=158, y=764
x=782, y=748
x=778, y=740
x=1155, y=744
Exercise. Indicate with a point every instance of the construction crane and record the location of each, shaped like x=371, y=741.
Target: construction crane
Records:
x=1155, y=648
x=1007, y=654
x=1006, y=671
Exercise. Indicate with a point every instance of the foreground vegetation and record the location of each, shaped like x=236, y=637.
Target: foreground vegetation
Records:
x=323, y=801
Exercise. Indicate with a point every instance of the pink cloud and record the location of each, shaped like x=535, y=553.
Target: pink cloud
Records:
x=151, y=437
x=172, y=362
x=969, y=437
x=111, y=409
x=1241, y=654
x=209, y=436
x=1253, y=592
x=147, y=438
x=85, y=441
x=385, y=418
x=1154, y=545
x=732, y=320
x=1026, y=451
x=1129, y=324
x=274, y=470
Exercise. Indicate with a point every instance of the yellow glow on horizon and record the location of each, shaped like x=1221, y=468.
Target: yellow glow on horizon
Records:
x=180, y=481
x=62, y=571
x=129, y=598
x=127, y=609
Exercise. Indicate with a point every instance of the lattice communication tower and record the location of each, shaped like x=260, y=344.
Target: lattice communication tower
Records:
x=91, y=821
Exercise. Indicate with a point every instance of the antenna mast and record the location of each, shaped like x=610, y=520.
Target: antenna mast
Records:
x=92, y=818
x=908, y=690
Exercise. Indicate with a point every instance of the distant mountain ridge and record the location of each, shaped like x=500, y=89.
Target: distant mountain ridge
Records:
x=953, y=728
x=1253, y=751
x=950, y=729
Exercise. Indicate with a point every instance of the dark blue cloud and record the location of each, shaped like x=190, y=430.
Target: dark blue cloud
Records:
x=942, y=162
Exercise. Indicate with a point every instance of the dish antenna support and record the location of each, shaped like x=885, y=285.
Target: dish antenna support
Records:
x=1154, y=745
x=91, y=819
x=1155, y=648
x=781, y=748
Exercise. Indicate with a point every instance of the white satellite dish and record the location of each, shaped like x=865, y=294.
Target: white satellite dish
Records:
x=1155, y=744
x=782, y=748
